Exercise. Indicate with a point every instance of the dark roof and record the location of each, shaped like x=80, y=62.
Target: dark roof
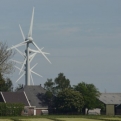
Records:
x=35, y=95
x=110, y=98
x=15, y=97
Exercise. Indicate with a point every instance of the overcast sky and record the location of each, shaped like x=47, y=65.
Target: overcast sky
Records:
x=83, y=38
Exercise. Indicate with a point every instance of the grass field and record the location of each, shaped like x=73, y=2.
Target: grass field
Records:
x=78, y=119
x=112, y=119
x=62, y=118
x=36, y=119
x=6, y=120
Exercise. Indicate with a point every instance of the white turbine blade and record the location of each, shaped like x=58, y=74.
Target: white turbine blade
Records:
x=18, y=68
x=36, y=73
x=32, y=55
x=31, y=58
x=16, y=61
x=20, y=77
x=41, y=52
x=32, y=79
x=35, y=51
x=34, y=66
x=22, y=66
x=20, y=52
x=42, y=48
x=31, y=24
x=22, y=32
x=20, y=44
x=46, y=53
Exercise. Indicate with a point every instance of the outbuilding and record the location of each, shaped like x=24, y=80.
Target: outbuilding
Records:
x=112, y=102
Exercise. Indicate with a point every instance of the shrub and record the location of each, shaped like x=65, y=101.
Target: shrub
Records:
x=11, y=109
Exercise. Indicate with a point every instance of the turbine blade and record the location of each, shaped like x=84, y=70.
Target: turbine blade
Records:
x=16, y=61
x=18, y=68
x=32, y=79
x=46, y=53
x=31, y=59
x=20, y=52
x=20, y=77
x=36, y=51
x=32, y=56
x=42, y=48
x=41, y=52
x=22, y=32
x=31, y=24
x=20, y=44
x=34, y=66
x=36, y=73
x=22, y=66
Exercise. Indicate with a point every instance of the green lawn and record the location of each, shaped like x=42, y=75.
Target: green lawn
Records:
x=6, y=120
x=78, y=119
x=36, y=119
x=62, y=118
x=112, y=119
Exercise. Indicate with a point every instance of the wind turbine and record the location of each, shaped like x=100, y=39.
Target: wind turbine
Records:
x=29, y=54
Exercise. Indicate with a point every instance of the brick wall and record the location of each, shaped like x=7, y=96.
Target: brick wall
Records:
x=38, y=112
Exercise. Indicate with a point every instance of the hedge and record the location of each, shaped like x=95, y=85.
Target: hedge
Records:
x=11, y=109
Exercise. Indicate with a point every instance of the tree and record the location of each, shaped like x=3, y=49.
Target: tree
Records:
x=20, y=86
x=90, y=94
x=54, y=87
x=5, y=84
x=49, y=85
x=61, y=83
x=69, y=101
x=6, y=65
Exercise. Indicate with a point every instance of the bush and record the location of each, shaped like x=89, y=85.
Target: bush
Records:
x=11, y=109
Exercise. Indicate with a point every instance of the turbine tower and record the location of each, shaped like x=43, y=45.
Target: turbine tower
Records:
x=28, y=55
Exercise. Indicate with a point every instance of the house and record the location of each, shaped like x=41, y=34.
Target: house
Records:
x=14, y=97
x=31, y=96
x=35, y=97
x=112, y=102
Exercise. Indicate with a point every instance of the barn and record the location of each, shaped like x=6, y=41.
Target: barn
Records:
x=112, y=102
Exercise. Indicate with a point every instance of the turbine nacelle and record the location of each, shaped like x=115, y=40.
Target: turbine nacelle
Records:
x=29, y=38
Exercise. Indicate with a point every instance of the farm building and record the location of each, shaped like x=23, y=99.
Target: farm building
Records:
x=112, y=102
x=30, y=96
